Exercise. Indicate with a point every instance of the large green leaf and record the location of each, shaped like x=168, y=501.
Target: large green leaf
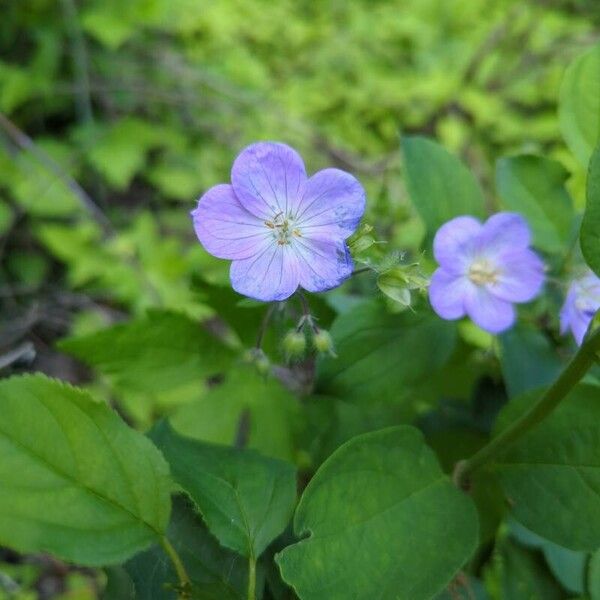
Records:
x=157, y=353
x=382, y=520
x=248, y=404
x=381, y=356
x=528, y=360
x=440, y=185
x=552, y=475
x=216, y=573
x=535, y=187
x=76, y=481
x=579, y=104
x=246, y=499
x=590, y=226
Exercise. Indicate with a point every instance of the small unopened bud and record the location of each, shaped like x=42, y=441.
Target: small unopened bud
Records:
x=294, y=343
x=322, y=342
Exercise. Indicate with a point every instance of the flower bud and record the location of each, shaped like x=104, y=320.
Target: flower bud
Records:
x=322, y=342
x=294, y=343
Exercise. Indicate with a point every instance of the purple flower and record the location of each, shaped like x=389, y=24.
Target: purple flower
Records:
x=281, y=228
x=484, y=269
x=582, y=302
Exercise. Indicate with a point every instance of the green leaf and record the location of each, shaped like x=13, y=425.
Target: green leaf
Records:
x=568, y=566
x=76, y=481
x=590, y=226
x=523, y=575
x=594, y=576
x=381, y=356
x=440, y=185
x=551, y=476
x=157, y=353
x=244, y=401
x=528, y=360
x=377, y=513
x=535, y=187
x=119, y=585
x=216, y=573
x=579, y=104
x=246, y=499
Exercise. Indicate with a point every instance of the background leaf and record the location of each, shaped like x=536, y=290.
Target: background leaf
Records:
x=594, y=576
x=534, y=186
x=522, y=574
x=246, y=499
x=157, y=353
x=377, y=513
x=76, y=481
x=579, y=105
x=440, y=186
x=527, y=359
x=590, y=226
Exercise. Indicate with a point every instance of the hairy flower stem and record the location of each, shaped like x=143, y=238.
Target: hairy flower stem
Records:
x=306, y=316
x=251, y=578
x=184, y=580
x=572, y=374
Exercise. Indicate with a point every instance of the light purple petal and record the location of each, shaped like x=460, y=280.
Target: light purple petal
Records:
x=504, y=232
x=225, y=228
x=488, y=311
x=521, y=277
x=330, y=205
x=579, y=326
x=454, y=243
x=583, y=299
x=567, y=310
x=322, y=265
x=447, y=293
x=271, y=275
x=267, y=177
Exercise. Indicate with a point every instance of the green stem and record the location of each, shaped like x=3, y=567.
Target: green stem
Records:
x=264, y=326
x=251, y=578
x=574, y=371
x=184, y=580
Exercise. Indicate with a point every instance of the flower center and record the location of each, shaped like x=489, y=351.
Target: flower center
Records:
x=482, y=272
x=284, y=229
